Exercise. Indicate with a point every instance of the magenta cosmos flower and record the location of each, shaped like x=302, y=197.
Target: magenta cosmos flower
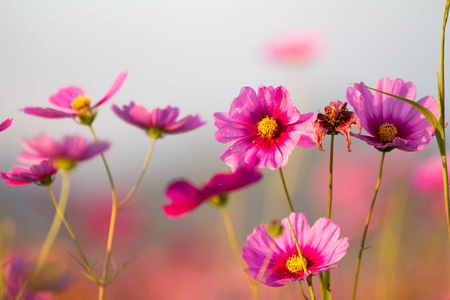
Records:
x=185, y=197
x=5, y=124
x=65, y=154
x=158, y=121
x=392, y=123
x=73, y=102
x=264, y=127
x=276, y=261
x=335, y=119
x=41, y=174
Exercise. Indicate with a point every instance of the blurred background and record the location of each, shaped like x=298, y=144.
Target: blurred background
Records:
x=196, y=55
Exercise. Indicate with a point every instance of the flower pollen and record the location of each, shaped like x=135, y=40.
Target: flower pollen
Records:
x=387, y=133
x=81, y=103
x=294, y=264
x=268, y=127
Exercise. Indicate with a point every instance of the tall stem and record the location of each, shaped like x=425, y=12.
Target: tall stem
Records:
x=111, y=223
x=441, y=99
x=285, y=190
x=358, y=265
x=144, y=168
x=65, y=191
x=234, y=246
x=54, y=228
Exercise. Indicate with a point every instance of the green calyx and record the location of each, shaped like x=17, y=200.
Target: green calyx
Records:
x=155, y=132
x=219, y=200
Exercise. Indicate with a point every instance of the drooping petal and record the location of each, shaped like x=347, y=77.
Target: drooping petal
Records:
x=49, y=113
x=184, y=198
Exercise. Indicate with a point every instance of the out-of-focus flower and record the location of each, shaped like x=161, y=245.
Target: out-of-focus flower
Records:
x=264, y=126
x=276, y=261
x=185, y=197
x=41, y=174
x=5, y=124
x=158, y=121
x=392, y=123
x=336, y=118
x=73, y=102
x=19, y=281
x=65, y=154
x=296, y=47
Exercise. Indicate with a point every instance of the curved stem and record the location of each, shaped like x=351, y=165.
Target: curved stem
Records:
x=234, y=247
x=285, y=190
x=301, y=289
x=54, y=228
x=64, y=193
x=144, y=168
x=358, y=265
x=112, y=223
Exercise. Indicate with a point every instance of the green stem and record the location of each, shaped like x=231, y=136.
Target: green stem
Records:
x=64, y=193
x=234, y=247
x=144, y=168
x=358, y=265
x=285, y=190
x=54, y=228
x=112, y=222
x=301, y=289
x=303, y=261
x=2, y=280
x=441, y=99
x=326, y=293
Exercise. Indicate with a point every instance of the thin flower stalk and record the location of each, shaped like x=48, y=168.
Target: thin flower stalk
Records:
x=2, y=279
x=112, y=223
x=303, y=261
x=144, y=168
x=286, y=190
x=358, y=265
x=54, y=228
x=234, y=247
x=65, y=193
x=441, y=100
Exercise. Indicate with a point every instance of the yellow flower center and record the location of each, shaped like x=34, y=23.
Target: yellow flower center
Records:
x=81, y=103
x=387, y=133
x=268, y=127
x=294, y=264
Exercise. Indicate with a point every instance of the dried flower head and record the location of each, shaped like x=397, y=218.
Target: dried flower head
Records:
x=335, y=119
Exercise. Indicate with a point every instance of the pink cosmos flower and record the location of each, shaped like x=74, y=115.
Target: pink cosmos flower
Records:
x=5, y=124
x=264, y=126
x=158, y=121
x=65, y=154
x=392, y=123
x=336, y=118
x=276, y=261
x=295, y=47
x=73, y=102
x=185, y=197
x=41, y=174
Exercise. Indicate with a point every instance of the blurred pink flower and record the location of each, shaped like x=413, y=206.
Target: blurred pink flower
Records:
x=185, y=197
x=158, y=121
x=19, y=280
x=264, y=126
x=295, y=47
x=73, y=102
x=392, y=123
x=320, y=246
x=41, y=174
x=65, y=154
x=336, y=118
x=5, y=124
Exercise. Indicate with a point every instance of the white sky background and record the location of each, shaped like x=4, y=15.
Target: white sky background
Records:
x=196, y=55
